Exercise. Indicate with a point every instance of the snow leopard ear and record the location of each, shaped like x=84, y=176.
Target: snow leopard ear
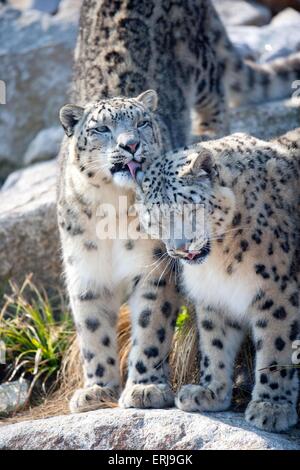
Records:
x=201, y=164
x=69, y=116
x=149, y=99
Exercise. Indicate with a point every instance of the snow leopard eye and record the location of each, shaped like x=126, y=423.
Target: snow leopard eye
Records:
x=143, y=124
x=100, y=130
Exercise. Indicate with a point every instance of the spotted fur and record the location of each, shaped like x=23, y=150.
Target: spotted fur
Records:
x=242, y=270
x=180, y=49
x=101, y=273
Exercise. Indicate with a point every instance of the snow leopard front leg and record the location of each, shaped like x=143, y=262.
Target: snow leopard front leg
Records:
x=154, y=307
x=220, y=339
x=95, y=310
x=275, y=321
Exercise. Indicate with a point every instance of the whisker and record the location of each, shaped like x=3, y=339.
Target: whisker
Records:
x=166, y=267
x=157, y=265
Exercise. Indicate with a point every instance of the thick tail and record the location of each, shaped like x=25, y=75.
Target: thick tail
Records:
x=251, y=83
x=290, y=140
x=247, y=82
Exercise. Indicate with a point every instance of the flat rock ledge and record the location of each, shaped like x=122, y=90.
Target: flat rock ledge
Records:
x=144, y=429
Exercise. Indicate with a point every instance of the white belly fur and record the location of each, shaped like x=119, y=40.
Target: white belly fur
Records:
x=209, y=284
x=129, y=263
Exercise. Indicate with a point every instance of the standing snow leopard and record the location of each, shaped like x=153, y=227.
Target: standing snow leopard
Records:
x=180, y=49
x=241, y=266
x=103, y=271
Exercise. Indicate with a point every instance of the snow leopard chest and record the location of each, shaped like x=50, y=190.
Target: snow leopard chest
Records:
x=210, y=285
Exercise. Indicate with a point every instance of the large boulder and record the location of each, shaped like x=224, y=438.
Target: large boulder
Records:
x=277, y=39
x=28, y=226
x=267, y=120
x=239, y=12
x=47, y=6
x=36, y=57
x=13, y=395
x=50, y=6
x=139, y=429
x=44, y=146
x=70, y=8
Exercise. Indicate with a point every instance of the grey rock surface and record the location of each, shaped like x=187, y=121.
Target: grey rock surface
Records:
x=12, y=396
x=48, y=6
x=277, y=39
x=267, y=120
x=36, y=57
x=144, y=429
x=28, y=226
x=70, y=8
x=239, y=12
x=21, y=4
x=44, y=146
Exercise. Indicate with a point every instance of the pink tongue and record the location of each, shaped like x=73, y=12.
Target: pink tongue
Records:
x=192, y=255
x=133, y=166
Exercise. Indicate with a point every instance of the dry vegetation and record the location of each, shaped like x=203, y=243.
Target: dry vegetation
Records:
x=50, y=393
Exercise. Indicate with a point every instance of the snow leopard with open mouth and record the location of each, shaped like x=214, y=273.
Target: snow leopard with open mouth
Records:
x=181, y=50
x=240, y=267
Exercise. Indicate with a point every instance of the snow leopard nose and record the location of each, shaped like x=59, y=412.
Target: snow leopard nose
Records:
x=180, y=245
x=129, y=143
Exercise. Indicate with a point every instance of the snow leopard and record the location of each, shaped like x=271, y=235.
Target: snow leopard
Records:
x=179, y=49
x=239, y=263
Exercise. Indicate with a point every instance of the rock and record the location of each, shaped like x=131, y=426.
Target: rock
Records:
x=144, y=429
x=286, y=17
x=20, y=4
x=65, y=7
x=28, y=226
x=277, y=5
x=278, y=39
x=46, y=6
x=70, y=8
x=247, y=40
x=238, y=12
x=13, y=395
x=50, y=6
x=282, y=36
x=267, y=120
x=44, y=146
x=36, y=57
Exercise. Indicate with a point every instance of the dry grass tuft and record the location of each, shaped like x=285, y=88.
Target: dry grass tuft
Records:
x=124, y=341
x=184, y=359
x=184, y=362
x=70, y=378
